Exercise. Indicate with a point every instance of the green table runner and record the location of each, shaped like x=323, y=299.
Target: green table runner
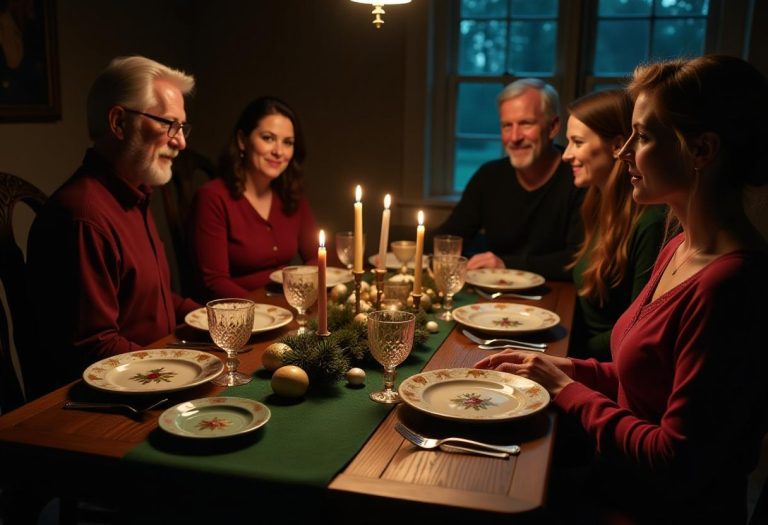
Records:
x=305, y=442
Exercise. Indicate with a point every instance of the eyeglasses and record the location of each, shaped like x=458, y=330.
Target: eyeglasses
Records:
x=173, y=125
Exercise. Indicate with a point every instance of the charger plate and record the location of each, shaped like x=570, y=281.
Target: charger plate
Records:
x=153, y=371
x=505, y=318
x=265, y=317
x=469, y=394
x=214, y=417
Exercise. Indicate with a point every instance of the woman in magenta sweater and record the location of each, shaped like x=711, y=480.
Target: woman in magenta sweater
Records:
x=255, y=218
x=676, y=419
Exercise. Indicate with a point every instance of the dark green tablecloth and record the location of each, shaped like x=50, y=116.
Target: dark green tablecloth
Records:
x=306, y=442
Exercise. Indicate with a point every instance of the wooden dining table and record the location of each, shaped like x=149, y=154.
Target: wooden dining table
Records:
x=45, y=448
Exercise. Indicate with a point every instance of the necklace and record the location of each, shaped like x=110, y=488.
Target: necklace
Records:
x=687, y=258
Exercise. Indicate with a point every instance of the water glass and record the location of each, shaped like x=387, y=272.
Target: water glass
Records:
x=390, y=336
x=450, y=272
x=447, y=245
x=300, y=289
x=230, y=322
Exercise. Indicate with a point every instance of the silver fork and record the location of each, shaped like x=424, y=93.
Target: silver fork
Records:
x=455, y=442
x=129, y=408
x=491, y=342
x=494, y=295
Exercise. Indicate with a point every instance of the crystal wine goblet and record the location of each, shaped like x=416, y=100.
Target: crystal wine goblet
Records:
x=230, y=322
x=300, y=289
x=404, y=252
x=450, y=272
x=390, y=336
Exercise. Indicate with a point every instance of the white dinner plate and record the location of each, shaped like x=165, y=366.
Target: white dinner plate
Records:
x=504, y=279
x=214, y=417
x=393, y=264
x=333, y=276
x=265, y=317
x=469, y=394
x=505, y=318
x=153, y=371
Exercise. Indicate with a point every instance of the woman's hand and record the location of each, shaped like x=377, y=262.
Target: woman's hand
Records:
x=553, y=373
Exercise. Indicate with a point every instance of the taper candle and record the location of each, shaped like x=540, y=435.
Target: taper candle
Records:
x=322, y=291
x=358, y=267
x=419, y=254
x=384, y=238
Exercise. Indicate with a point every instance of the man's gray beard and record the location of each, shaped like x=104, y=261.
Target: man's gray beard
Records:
x=146, y=172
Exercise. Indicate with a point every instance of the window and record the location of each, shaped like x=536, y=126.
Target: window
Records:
x=576, y=45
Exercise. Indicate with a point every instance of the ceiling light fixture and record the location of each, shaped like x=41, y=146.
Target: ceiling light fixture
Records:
x=378, y=8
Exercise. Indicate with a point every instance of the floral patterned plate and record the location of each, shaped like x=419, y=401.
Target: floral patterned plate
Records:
x=153, y=371
x=333, y=276
x=393, y=264
x=505, y=318
x=265, y=317
x=503, y=279
x=214, y=417
x=468, y=394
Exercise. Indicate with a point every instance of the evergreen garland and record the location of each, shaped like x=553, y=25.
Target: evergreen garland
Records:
x=327, y=359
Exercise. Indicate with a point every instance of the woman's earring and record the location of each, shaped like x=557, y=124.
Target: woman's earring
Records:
x=242, y=154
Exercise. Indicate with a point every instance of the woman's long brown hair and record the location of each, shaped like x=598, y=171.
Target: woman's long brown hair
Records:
x=608, y=215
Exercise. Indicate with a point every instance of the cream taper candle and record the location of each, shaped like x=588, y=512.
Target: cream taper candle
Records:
x=384, y=238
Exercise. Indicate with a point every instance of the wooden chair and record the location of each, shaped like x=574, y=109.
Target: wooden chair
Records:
x=13, y=277
x=190, y=171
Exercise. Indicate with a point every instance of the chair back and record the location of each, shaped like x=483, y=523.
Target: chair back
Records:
x=13, y=277
x=190, y=171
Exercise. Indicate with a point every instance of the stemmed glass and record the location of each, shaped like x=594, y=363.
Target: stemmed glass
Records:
x=450, y=272
x=345, y=248
x=404, y=252
x=390, y=336
x=230, y=322
x=300, y=288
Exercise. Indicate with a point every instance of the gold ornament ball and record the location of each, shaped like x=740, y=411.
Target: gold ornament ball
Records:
x=355, y=376
x=432, y=327
x=361, y=318
x=339, y=291
x=272, y=358
x=290, y=381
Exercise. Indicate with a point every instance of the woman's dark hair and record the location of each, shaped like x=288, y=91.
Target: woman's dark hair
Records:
x=288, y=185
x=713, y=93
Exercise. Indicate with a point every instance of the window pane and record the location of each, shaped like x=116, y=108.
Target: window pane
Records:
x=678, y=38
x=682, y=7
x=482, y=47
x=470, y=155
x=532, y=47
x=534, y=8
x=483, y=8
x=476, y=109
x=624, y=8
x=621, y=45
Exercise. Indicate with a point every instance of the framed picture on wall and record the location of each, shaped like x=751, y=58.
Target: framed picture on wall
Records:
x=29, y=62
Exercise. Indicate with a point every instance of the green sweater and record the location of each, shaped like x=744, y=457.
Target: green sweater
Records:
x=593, y=324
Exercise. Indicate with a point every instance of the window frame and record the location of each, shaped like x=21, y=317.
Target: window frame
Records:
x=572, y=75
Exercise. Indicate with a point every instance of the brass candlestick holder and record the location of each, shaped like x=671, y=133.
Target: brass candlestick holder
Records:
x=358, y=281
x=379, y=276
x=416, y=301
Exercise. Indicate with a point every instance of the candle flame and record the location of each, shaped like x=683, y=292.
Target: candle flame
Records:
x=358, y=193
x=322, y=239
x=387, y=201
x=421, y=218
